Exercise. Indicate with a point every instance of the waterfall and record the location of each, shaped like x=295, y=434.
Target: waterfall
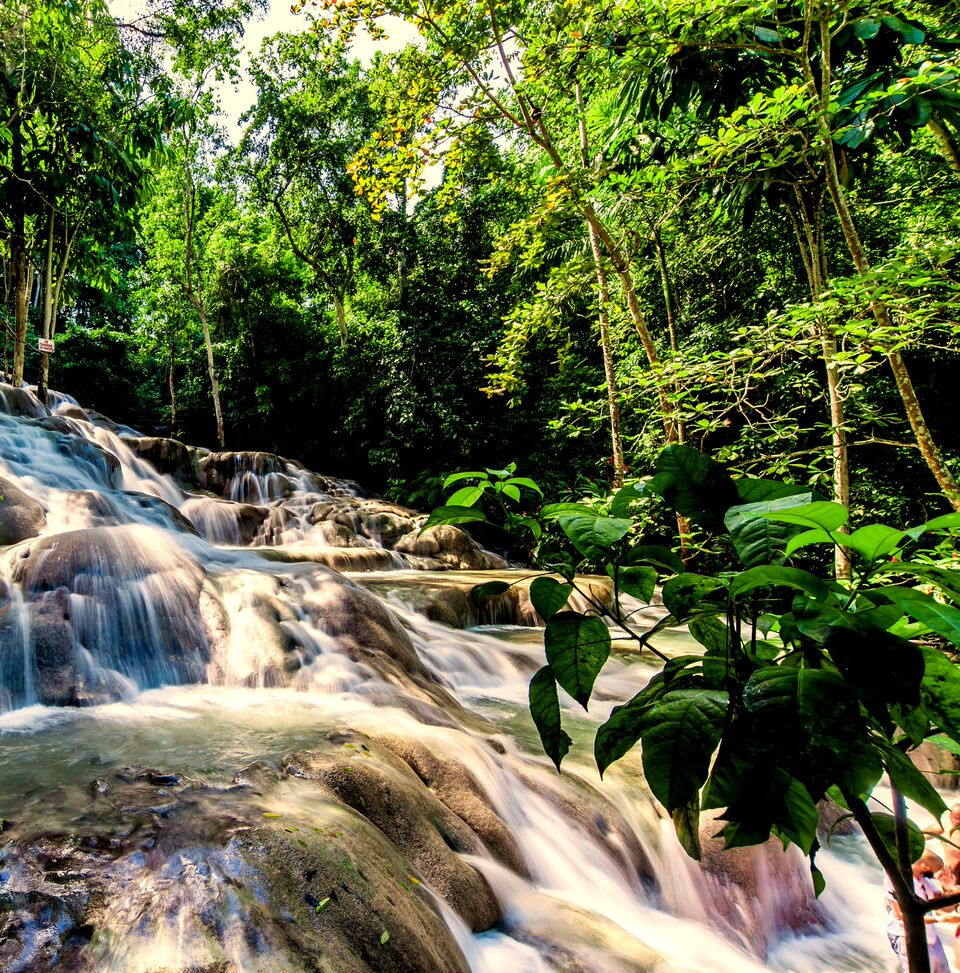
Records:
x=239, y=732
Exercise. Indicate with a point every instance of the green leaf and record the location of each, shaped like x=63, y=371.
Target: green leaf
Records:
x=766, y=36
x=512, y=492
x=774, y=576
x=757, y=538
x=696, y=486
x=594, y=536
x=548, y=596
x=680, y=733
x=940, y=691
x=637, y=582
x=545, y=710
x=874, y=541
x=622, y=730
x=489, y=589
x=466, y=497
x=686, y=822
x=453, y=515
x=799, y=816
x=866, y=28
x=911, y=782
x=384, y=937
x=655, y=554
x=685, y=592
x=522, y=481
x=887, y=830
x=806, y=699
x=553, y=511
x=457, y=477
x=827, y=516
x=943, y=522
x=752, y=490
x=624, y=498
x=322, y=906
x=939, y=618
x=577, y=646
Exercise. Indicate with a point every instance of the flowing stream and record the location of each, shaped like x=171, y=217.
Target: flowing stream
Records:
x=203, y=656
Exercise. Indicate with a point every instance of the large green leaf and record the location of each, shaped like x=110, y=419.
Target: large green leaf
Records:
x=686, y=591
x=686, y=822
x=752, y=490
x=622, y=730
x=874, y=541
x=553, y=511
x=489, y=589
x=905, y=776
x=946, y=580
x=696, y=486
x=797, y=818
x=624, y=499
x=577, y=646
x=777, y=576
x=680, y=733
x=655, y=554
x=548, y=596
x=545, y=710
x=638, y=582
x=454, y=515
x=757, y=538
x=939, y=618
x=808, y=700
x=526, y=482
x=820, y=514
x=887, y=830
x=593, y=536
x=466, y=497
x=940, y=691
x=466, y=475
x=943, y=522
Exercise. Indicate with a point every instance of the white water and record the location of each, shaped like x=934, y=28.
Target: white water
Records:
x=217, y=657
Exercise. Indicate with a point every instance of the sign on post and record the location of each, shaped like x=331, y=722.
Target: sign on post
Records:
x=46, y=345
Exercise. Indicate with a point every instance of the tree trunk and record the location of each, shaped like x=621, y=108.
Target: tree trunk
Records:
x=173, y=392
x=341, y=319
x=670, y=308
x=214, y=384
x=46, y=291
x=613, y=406
x=921, y=430
x=810, y=242
x=945, y=140
x=616, y=444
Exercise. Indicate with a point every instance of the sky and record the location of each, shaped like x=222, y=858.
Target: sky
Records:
x=235, y=100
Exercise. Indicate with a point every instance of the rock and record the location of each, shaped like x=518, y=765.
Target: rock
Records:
x=759, y=892
x=152, y=859
x=451, y=546
x=21, y=403
x=96, y=509
x=21, y=516
x=249, y=520
x=169, y=456
x=102, y=464
x=389, y=794
x=941, y=766
x=137, y=604
x=54, y=651
x=166, y=512
x=456, y=787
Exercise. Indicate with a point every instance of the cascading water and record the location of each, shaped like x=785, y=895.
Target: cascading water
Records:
x=290, y=768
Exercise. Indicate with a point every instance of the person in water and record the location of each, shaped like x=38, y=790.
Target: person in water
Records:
x=924, y=869
x=948, y=828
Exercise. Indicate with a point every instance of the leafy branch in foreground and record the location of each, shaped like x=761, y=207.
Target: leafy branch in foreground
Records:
x=805, y=687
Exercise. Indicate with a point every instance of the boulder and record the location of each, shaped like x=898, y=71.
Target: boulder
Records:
x=427, y=833
x=168, y=456
x=278, y=874
x=21, y=403
x=941, y=766
x=451, y=546
x=21, y=516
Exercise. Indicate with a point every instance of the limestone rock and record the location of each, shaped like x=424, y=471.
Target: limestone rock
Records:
x=20, y=515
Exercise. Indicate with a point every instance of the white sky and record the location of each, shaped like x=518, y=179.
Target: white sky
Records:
x=235, y=100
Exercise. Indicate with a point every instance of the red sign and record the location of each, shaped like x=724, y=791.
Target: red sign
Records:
x=46, y=346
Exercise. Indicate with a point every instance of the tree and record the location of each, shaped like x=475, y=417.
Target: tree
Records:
x=310, y=118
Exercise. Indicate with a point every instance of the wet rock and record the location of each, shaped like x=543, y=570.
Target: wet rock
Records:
x=95, y=508
x=166, y=512
x=833, y=820
x=206, y=874
x=54, y=651
x=758, y=892
x=20, y=515
x=169, y=456
x=452, y=547
x=249, y=520
x=457, y=788
x=137, y=604
x=100, y=462
x=19, y=402
x=589, y=811
x=390, y=795
x=941, y=766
